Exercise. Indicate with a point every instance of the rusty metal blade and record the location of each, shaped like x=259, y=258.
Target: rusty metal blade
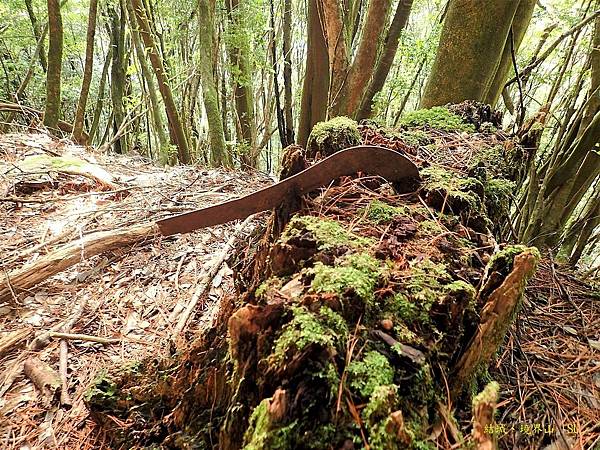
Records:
x=371, y=160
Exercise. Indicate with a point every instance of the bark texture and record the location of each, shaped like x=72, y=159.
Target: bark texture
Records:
x=55, y=50
x=471, y=45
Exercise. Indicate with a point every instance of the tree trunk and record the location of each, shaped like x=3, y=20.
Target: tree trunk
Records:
x=384, y=64
x=87, y=72
x=100, y=99
x=157, y=118
x=55, y=49
x=37, y=32
x=163, y=82
x=117, y=71
x=313, y=107
x=519, y=27
x=287, y=71
x=243, y=91
x=219, y=155
x=471, y=45
x=362, y=68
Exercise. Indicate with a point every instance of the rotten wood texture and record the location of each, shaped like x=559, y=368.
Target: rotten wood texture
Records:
x=9, y=340
x=495, y=319
x=44, y=378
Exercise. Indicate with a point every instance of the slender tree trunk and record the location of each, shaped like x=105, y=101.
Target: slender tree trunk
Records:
x=218, y=150
x=117, y=72
x=37, y=32
x=242, y=85
x=100, y=100
x=278, y=109
x=157, y=118
x=337, y=50
x=87, y=72
x=362, y=67
x=287, y=71
x=313, y=106
x=163, y=82
x=384, y=64
x=471, y=45
x=55, y=48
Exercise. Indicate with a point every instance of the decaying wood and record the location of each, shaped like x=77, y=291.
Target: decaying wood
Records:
x=44, y=378
x=484, y=407
x=495, y=319
x=10, y=339
x=70, y=254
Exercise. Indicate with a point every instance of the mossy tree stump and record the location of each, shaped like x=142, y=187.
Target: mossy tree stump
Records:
x=372, y=309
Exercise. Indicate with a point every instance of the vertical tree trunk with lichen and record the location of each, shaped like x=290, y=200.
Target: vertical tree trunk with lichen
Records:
x=53, y=74
x=87, y=72
x=472, y=42
x=117, y=71
x=175, y=124
x=218, y=150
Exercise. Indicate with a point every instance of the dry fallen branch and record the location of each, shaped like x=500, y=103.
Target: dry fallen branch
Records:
x=44, y=378
x=10, y=339
x=71, y=254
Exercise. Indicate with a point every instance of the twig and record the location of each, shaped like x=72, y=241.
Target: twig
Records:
x=84, y=337
x=202, y=287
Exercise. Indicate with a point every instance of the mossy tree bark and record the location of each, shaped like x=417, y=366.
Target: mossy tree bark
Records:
x=242, y=84
x=175, y=124
x=218, y=150
x=53, y=74
x=519, y=27
x=472, y=43
x=100, y=99
x=87, y=72
x=117, y=71
x=287, y=70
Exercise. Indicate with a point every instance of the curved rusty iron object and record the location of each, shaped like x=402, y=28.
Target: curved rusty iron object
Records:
x=372, y=160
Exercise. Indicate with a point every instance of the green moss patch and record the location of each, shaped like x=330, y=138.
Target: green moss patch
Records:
x=369, y=373
x=358, y=272
x=380, y=213
x=326, y=232
x=332, y=136
x=438, y=118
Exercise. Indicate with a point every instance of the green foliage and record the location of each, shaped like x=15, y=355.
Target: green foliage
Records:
x=371, y=372
x=456, y=190
x=438, y=118
x=261, y=434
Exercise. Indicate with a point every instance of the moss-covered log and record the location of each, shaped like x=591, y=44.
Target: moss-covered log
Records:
x=373, y=308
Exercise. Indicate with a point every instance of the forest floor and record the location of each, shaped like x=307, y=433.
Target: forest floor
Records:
x=134, y=295
x=549, y=367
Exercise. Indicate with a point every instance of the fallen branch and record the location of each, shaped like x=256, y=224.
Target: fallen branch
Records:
x=207, y=280
x=44, y=378
x=84, y=337
x=70, y=254
x=10, y=339
x=13, y=107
